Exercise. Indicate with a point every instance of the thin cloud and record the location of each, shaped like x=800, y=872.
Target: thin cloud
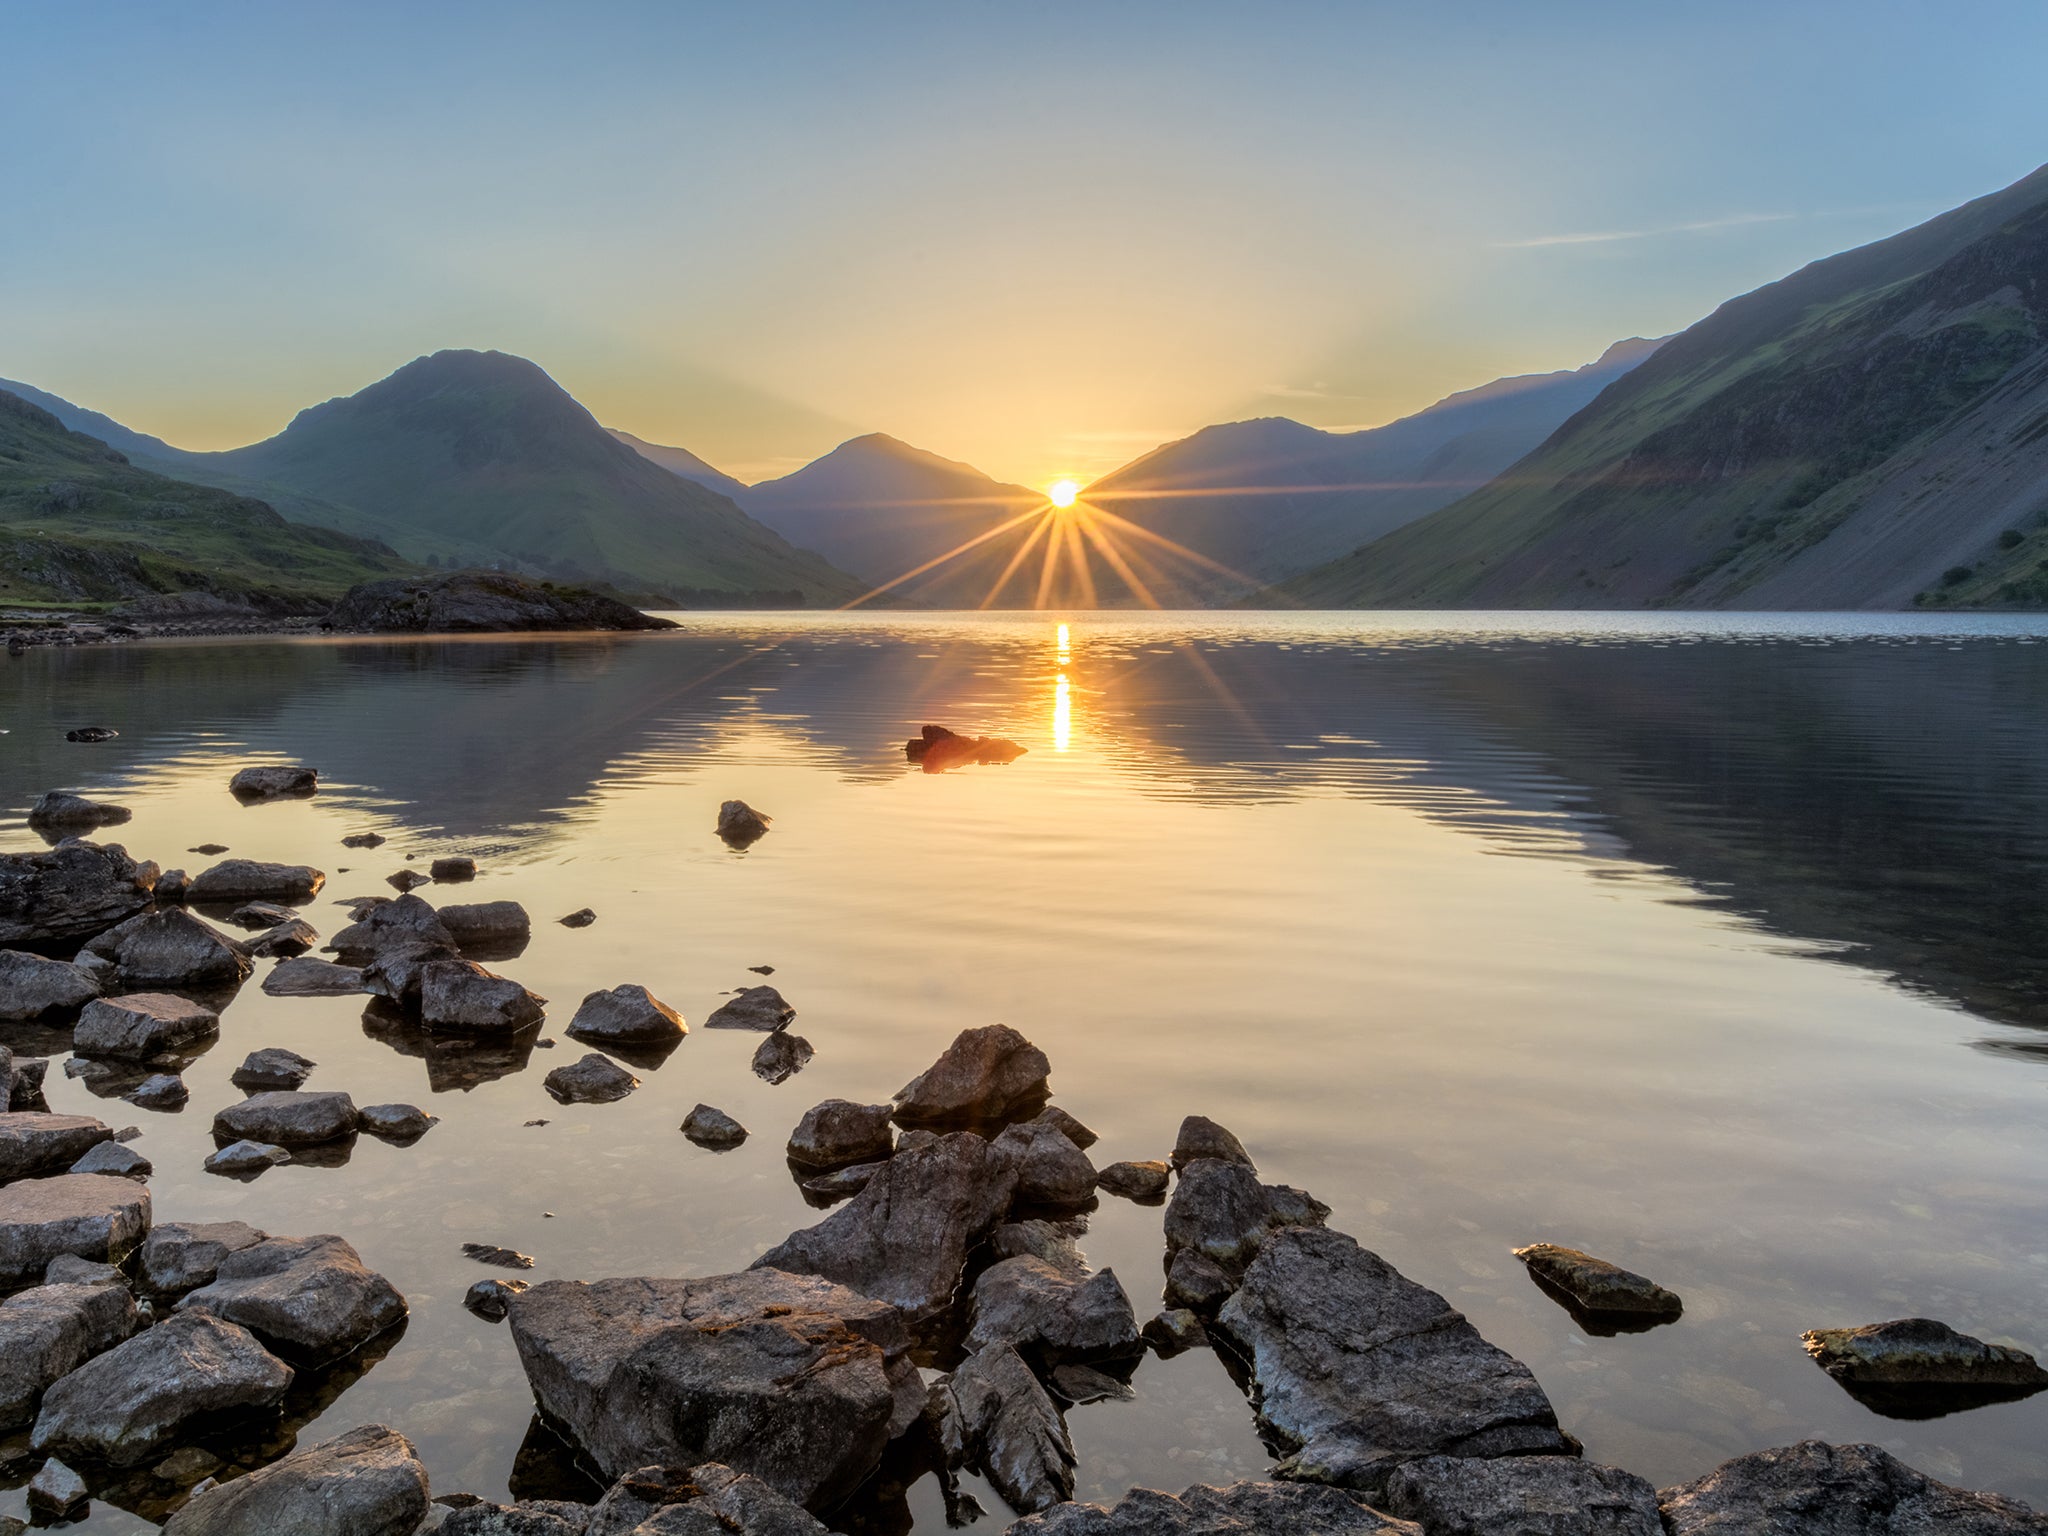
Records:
x=1606, y=236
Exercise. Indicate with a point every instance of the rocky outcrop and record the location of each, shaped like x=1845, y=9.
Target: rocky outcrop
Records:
x=594, y=1079
x=905, y=1237
x=88, y=1215
x=709, y=1127
x=59, y=809
x=1521, y=1496
x=181, y=1256
x=272, y=1067
x=268, y=781
x=838, y=1132
x=1050, y=1315
x=48, y=1332
x=31, y=986
x=1856, y=1490
x=1242, y=1509
x=252, y=880
x=627, y=1014
x=288, y=1119
x=1013, y=1431
x=1221, y=1211
x=166, y=948
x=131, y=1404
x=304, y=976
x=1363, y=1369
x=789, y=1378
x=759, y=1008
x=1596, y=1286
x=141, y=1025
x=480, y=602
x=462, y=996
x=309, y=1299
x=368, y=1482
x=781, y=1056
x=992, y=1073
x=33, y=1144
x=75, y=889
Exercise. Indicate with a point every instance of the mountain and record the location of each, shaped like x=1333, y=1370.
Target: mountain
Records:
x=680, y=461
x=1270, y=498
x=483, y=456
x=879, y=507
x=78, y=522
x=1870, y=432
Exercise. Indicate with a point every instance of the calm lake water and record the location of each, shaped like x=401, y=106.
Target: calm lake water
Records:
x=1717, y=946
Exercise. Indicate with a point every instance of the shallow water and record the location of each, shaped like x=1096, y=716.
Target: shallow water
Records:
x=1715, y=945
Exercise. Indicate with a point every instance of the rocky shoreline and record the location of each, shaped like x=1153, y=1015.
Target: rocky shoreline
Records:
x=940, y=1318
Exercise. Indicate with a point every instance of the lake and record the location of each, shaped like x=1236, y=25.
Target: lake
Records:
x=1715, y=945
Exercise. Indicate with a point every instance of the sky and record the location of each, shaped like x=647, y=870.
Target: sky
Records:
x=1039, y=237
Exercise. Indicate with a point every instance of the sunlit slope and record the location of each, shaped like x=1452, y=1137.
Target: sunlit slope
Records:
x=78, y=523
x=484, y=452
x=1839, y=439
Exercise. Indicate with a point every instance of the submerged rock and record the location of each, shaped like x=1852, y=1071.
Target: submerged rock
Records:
x=1200, y=1138
x=740, y=824
x=629, y=1014
x=378, y=927
x=1363, y=1369
x=180, y=1256
x=31, y=986
x=1916, y=1367
x=906, y=1236
x=304, y=976
x=253, y=880
x=489, y=1299
x=363, y=840
x=405, y=881
x=75, y=889
x=582, y=917
x=1143, y=1182
x=260, y=914
x=112, y=1157
x=273, y=1067
x=1839, y=1490
x=990, y=1073
x=270, y=780
x=462, y=995
x=1596, y=1286
x=709, y=1127
x=161, y=1091
x=61, y=808
x=34, y=1144
x=310, y=1299
x=1052, y=1316
x=129, y=1405
x=246, y=1158
x=791, y=1379
x=287, y=1118
x=1013, y=1430
x=368, y=1482
x=453, y=867
x=1521, y=1496
x=48, y=1332
x=401, y=1123
x=759, y=1008
x=141, y=1025
x=837, y=1132
x=168, y=947
x=93, y=1216
x=491, y=1253
x=594, y=1079
x=1242, y=1509
x=781, y=1056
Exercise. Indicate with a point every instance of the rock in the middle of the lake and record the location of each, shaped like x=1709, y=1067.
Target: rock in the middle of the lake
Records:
x=287, y=1118
x=790, y=1378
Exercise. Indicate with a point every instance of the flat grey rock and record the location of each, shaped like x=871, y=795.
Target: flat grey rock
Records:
x=34, y=1144
x=1597, y=1286
x=1817, y=1489
x=1175, y=1331
x=837, y=1132
x=88, y=1215
x=48, y=1332
x=253, y=880
x=73, y=890
x=140, y=1025
x=1917, y=1351
x=368, y=1482
x=287, y=1118
x=1013, y=1430
x=180, y=1256
x=258, y=915
x=1521, y=1496
x=989, y=1073
x=112, y=1157
x=1242, y=1509
x=32, y=986
x=309, y=1299
x=629, y=1014
x=304, y=976
x=707, y=1500
x=60, y=808
x=246, y=1158
x=759, y=1008
x=168, y=948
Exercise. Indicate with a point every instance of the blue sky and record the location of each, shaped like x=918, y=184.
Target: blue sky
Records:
x=1040, y=237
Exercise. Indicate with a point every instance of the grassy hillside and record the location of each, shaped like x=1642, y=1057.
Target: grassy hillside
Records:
x=79, y=523
x=1838, y=439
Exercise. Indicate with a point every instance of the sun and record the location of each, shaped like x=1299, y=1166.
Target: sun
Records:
x=1061, y=493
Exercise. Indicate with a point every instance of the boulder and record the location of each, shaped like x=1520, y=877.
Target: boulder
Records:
x=180, y=1256
x=141, y=1025
x=91, y=1215
x=57, y=1493
x=273, y=1067
x=781, y=1056
x=461, y=995
x=838, y=1132
x=61, y=808
x=309, y=1299
x=1200, y=1137
x=1055, y=1242
x=74, y=889
x=169, y=947
x=398, y=971
x=627, y=1014
x=1052, y=1316
x=740, y=824
x=593, y=1079
x=304, y=976
x=48, y=1332
x=246, y=1159
x=133, y=1403
x=1916, y=1367
x=582, y=917
x=709, y=1127
x=1051, y=1170
x=707, y=1500
x=171, y=886
x=486, y=922
x=1521, y=1496
x=1198, y=1283
x=481, y=602
x=788, y=1378
x=1596, y=1286
x=401, y=1123
x=1013, y=1430
x=253, y=880
x=1222, y=1211
x=363, y=840
x=283, y=941
x=270, y=780
x=408, y=920
x=1834, y=1490
x=1067, y=1125
x=1143, y=1182
x=368, y=1482
x=31, y=986
x=1362, y=1369
x=112, y=1157
x=21, y=1081
x=453, y=867
x=990, y=1073
x=288, y=1118
x=1242, y=1509
x=759, y=1008
x=34, y=1144
x=905, y=1238
x=1174, y=1332
x=160, y=1090
x=490, y=1299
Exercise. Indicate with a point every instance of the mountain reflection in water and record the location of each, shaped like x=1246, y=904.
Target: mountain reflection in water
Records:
x=1662, y=937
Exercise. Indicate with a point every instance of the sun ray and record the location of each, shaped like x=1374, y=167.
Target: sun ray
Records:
x=1016, y=560
x=1114, y=558
x=954, y=552
x=1048, y=568
x=1140, y=531
x=1077, y=557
